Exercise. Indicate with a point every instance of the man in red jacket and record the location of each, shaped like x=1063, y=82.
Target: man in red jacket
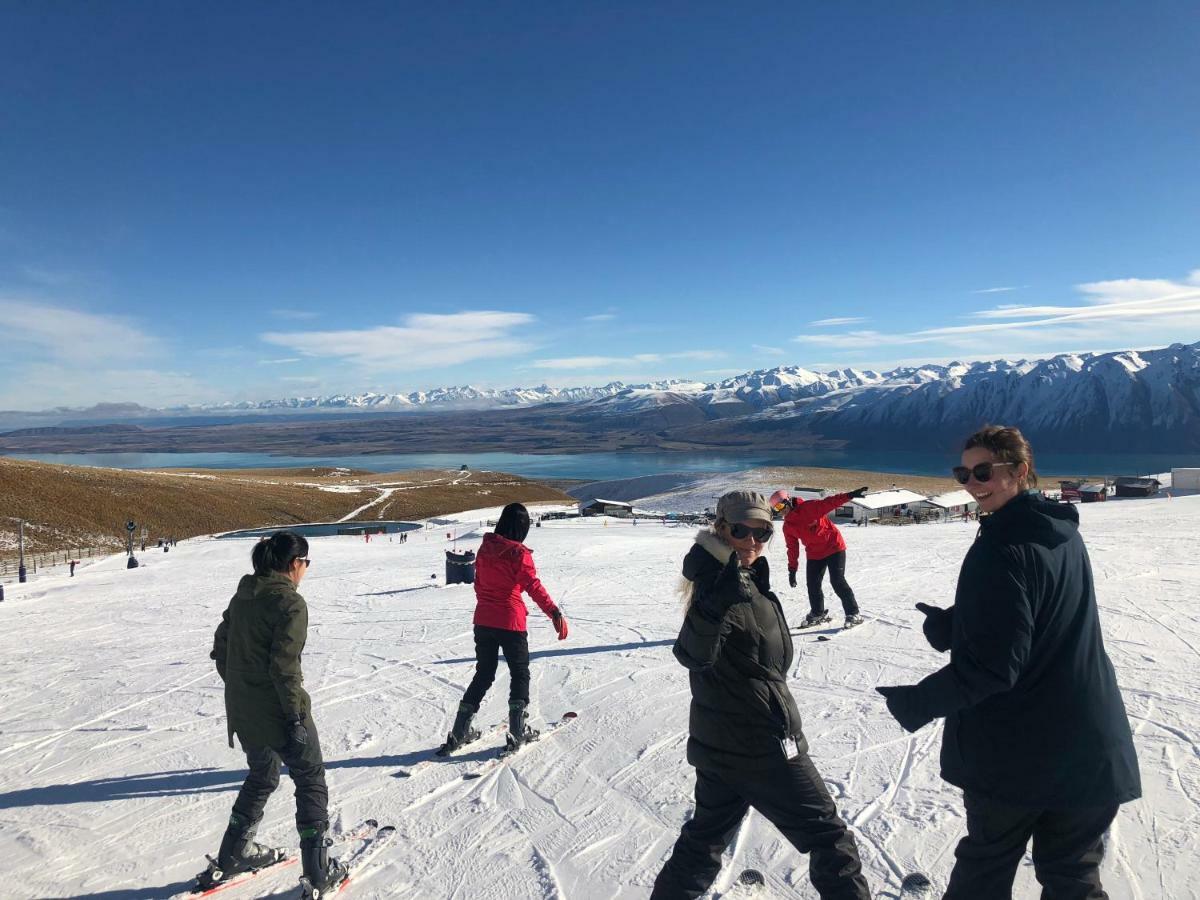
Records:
x=503, y=570
x=807, y=522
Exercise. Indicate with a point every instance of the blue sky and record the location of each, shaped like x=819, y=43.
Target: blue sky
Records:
x=211, y=201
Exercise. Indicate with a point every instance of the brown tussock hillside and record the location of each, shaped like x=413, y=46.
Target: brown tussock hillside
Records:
x=79, y=506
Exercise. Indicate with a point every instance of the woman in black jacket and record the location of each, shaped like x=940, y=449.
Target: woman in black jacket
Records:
x=1036, y=733
x=746, y=742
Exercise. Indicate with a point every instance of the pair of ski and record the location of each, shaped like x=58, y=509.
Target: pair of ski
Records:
x=372, y=836
x=510, y=748
x=914, y=885
x=824, y=634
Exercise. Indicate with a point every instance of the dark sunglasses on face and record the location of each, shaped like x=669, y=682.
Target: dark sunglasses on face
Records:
x=739, y=532
x=304, y=559
x=982, y=472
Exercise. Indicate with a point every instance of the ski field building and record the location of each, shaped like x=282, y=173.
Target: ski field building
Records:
x=1137, y=486
x=599, y=507
x=894, y=504
x=952, y=505
x=1185, y=479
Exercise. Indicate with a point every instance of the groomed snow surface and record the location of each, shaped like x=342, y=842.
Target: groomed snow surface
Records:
x=115, y=778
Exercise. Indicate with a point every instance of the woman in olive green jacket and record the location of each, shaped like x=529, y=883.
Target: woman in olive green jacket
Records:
x=257, y=650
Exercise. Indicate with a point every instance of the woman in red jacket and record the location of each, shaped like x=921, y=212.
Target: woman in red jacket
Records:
x=808, y=523
x=503, y=569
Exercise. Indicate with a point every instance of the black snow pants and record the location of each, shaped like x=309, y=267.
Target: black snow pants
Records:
x=815, y=574
x=307, y=771
x=488, y=644
x=794, y=799
x=1068, y=845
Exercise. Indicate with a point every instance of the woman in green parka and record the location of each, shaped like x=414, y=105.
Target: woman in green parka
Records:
x=257, y=650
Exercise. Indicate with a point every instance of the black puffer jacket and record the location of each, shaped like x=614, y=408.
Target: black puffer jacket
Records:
x=1034, y=716
x=736, y=644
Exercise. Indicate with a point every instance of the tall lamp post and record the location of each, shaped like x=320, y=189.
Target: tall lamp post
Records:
x=21, y=577
x=130, y=528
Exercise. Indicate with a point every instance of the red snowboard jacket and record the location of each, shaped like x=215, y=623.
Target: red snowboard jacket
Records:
x=503, y=569
x=807, y=523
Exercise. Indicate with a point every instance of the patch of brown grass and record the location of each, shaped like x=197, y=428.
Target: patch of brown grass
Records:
x=79, y=506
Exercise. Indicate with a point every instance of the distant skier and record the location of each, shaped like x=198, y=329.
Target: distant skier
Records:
x=807, y=522
x=745, y=740
x=1036, y=732
x=503, y=569
x=257, y=649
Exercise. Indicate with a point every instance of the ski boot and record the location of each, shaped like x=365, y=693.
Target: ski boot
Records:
x=852, y=620
x=322, y=875
x=462, y=732
x=519, y=732
x=814, y=619
x=239, y=853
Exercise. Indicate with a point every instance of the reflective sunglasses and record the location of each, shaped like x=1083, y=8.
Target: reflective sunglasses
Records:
x=981, y=471
x=738, y=531
x=780, y=506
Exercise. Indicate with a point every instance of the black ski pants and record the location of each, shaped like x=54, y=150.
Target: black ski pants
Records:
x=794, y=799
x=815, y=574
x=307, y=772
x=1068, y=845
x=488, y=644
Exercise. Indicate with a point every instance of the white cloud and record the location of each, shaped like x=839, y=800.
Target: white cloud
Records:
x=596, y=362
x=772, y=351
x=294, y=314
x=600, y=317
x=71, y=335
x=1000, y=290
x=279, y=362
x=45, y=385
x=1146, y=312
x=845, y=320
x=425, y=340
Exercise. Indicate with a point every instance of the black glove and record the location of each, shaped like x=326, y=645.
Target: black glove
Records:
x=297, y=739
x=937, y=626
x=857, y=492
x=904, y=703
x=791, y=577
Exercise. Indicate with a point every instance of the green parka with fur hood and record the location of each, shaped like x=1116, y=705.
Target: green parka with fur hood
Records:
x=736, y=645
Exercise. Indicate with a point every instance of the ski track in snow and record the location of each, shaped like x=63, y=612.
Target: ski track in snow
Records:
x=115, y=777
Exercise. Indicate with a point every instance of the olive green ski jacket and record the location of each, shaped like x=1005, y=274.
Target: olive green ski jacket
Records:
x=257, y=649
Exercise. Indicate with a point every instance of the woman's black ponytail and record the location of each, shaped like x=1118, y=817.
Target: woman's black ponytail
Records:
x=277, y=552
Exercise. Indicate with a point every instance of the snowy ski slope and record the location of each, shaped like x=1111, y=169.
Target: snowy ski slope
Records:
x=115, y=779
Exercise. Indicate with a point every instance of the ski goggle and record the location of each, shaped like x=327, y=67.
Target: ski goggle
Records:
x=982, y=472
x=780, y=506
x=739, y=532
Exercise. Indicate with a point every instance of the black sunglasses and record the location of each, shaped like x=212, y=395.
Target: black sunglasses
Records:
x=981, y=471
x=738, y=531
x=304, y=559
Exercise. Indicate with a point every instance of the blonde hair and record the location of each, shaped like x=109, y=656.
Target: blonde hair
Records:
x=1007, y=444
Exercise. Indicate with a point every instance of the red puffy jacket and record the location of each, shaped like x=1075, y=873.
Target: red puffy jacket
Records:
x=807, y=522
x=503, y=569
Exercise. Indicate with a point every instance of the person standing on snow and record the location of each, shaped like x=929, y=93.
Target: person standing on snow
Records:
x=745, y=739
x=257, y=650
x=503, y=569
x=1036, y=732
x=807, y=522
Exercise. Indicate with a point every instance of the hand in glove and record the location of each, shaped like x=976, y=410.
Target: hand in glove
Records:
x=560, y=624
x=791, y=577
x=904, y=703
x=857, y=492
x=937, y=626
x=297, y=739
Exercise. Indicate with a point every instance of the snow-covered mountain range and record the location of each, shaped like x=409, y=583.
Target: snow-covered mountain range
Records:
x=1129, y=400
